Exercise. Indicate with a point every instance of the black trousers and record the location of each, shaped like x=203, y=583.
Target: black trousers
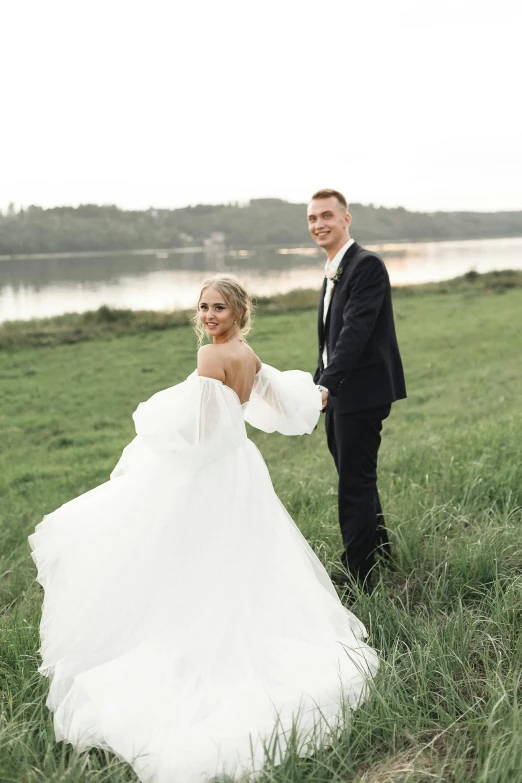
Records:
x=354, y=440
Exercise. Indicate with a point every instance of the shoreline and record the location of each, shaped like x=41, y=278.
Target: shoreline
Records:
x=108, y=323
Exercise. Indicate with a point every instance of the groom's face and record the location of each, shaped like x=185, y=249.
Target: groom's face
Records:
x=328, y=223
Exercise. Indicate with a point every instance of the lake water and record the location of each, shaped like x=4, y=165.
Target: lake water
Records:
x=34, y=287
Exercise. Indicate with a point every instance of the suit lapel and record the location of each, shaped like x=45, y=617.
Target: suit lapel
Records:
x=328, y=314
x=320, y=320
x=347, y=257
x=342, y=266
x=325, y=325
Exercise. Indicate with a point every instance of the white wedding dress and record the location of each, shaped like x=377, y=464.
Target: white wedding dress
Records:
x=187, y=624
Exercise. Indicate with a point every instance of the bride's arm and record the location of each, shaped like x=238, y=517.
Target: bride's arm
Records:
x=187, y=422
x=286, y=402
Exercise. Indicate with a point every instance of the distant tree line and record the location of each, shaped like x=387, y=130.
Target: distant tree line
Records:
x=268, y=221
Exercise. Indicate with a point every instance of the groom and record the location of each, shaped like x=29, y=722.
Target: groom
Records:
x=359, y=373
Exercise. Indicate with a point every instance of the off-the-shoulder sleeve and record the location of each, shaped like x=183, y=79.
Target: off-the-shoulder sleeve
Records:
x=188, y=422
x=286, y=402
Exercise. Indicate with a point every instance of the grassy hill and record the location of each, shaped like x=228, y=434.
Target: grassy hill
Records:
x=447, y=622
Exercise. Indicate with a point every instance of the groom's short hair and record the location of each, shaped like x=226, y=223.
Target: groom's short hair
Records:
x=327, y=193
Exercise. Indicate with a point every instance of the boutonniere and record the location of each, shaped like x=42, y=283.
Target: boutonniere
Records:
x=337, y=276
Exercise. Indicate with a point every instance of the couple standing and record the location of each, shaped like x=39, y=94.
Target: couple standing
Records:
x=187, y=625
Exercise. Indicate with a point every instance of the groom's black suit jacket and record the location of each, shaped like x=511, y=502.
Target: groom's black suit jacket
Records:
x=364, y=367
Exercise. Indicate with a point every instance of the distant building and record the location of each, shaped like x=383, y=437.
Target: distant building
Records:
x=214, y=250
x=215, y=241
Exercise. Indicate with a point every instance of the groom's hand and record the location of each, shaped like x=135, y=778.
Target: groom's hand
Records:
x=324, y=395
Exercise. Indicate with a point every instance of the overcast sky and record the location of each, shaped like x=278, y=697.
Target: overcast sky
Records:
x=168, y=103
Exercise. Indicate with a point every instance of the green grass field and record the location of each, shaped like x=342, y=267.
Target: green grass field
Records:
x=447, y=703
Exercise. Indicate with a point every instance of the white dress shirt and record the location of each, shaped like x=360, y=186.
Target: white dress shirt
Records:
x=330, y=268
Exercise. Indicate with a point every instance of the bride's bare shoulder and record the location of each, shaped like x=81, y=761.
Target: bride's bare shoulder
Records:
x=211, y=362
x=257, y=359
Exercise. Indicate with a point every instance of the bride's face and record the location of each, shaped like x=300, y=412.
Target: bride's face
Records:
x=215, y=315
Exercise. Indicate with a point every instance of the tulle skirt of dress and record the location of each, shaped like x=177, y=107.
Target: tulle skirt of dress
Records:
x=187, y=622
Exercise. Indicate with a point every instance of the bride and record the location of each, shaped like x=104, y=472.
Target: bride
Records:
x=187, y=625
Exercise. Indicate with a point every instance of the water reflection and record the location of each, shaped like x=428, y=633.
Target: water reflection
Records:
x=160, y=280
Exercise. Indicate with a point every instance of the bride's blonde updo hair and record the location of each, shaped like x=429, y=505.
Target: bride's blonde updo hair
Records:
x=236, y=297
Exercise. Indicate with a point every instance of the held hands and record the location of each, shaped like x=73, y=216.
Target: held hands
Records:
x=324, y=395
